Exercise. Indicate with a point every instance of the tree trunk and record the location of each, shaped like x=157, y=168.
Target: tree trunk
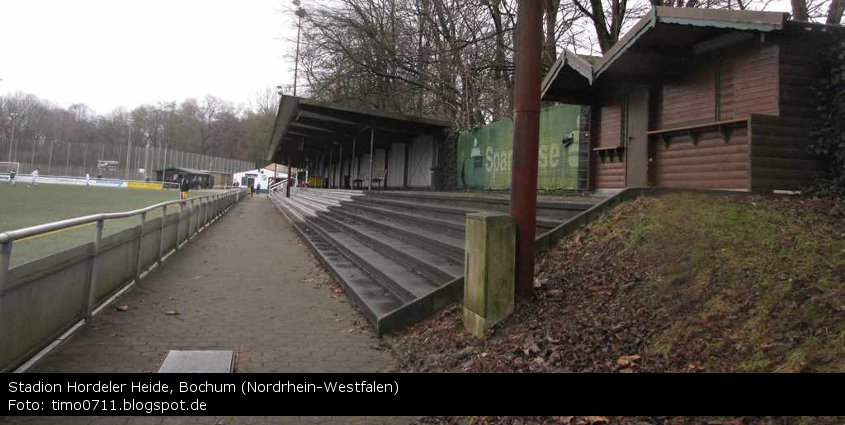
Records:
x=501, y=92
x=799, y=10
x=834, y=13
x=549, y=42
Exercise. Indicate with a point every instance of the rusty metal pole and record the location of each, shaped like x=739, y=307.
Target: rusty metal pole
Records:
x=526, y=137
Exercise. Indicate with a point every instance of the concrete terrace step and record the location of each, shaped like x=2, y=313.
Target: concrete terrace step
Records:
x=405, y=250
x=402, y=281
x=435, y=267
x=374, y=300
x=449, y=226
x=447, y=213
x=416, y=220
x=450, y=213
x=554, y=208
x=568, y=201
x=431, y=263
x=445, y=246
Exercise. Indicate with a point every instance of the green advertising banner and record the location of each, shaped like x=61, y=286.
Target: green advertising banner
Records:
x=485, y=154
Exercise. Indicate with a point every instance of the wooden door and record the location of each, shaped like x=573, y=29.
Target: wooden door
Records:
x=636, y=139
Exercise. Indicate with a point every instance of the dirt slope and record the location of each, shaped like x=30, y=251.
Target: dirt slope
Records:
x=680, y=282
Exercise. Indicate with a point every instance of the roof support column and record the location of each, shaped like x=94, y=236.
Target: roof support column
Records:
x=287, y=183
x=340, y=167
x=351, y=161
x=526, y=134
x=405, y=165
x=329, y=171
x=372, y=144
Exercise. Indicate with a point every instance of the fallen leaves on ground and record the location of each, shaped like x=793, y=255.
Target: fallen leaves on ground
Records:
x=610, y=302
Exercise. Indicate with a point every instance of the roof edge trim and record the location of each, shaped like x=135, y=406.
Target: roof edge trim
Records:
x=571, y=59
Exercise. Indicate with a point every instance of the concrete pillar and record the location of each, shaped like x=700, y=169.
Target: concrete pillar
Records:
x=489, y=270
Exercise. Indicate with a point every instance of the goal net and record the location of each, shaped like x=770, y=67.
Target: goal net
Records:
x=8, y=167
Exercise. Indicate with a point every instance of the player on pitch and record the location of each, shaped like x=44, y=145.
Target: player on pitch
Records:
x=183, y=189
x=34, y=178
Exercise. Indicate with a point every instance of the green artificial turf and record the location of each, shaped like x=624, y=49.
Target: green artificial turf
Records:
x=22, y=206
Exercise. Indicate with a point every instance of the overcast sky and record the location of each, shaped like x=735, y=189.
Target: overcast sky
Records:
x=110, y=53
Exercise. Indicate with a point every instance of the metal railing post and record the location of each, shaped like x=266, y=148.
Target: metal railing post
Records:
x=5, y=264
x=140, y=244
x=161, y=239
x=190, y=214
x=92, y=283
x=179, y=222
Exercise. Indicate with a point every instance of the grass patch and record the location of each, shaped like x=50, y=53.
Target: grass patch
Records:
x=22, y=206
x=753, y=277
x=680, y=282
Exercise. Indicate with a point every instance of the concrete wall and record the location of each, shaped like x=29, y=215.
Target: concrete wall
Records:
x=46, y=297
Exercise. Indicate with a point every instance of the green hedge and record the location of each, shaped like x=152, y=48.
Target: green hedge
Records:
x=829, y=136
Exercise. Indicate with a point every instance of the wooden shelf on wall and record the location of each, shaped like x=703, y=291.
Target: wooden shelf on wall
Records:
x=610, y=152
x=694, y=131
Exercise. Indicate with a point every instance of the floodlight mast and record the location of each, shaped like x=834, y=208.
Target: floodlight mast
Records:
x=300, y=13
x=12, y=137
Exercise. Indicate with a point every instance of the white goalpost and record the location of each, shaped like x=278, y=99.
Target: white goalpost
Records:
x=6, y=169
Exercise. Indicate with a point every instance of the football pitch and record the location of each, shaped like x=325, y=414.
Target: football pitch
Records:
x=22, y=206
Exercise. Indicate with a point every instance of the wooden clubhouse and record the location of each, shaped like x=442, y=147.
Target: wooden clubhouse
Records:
x=700, y=98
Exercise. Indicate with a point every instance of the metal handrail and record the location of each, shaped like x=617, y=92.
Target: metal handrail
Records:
x=7, y=238
x=143, y=254
x=275, y=186
x=26, y=232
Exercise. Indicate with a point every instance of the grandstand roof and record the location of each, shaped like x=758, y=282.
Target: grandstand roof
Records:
x=305, y=126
